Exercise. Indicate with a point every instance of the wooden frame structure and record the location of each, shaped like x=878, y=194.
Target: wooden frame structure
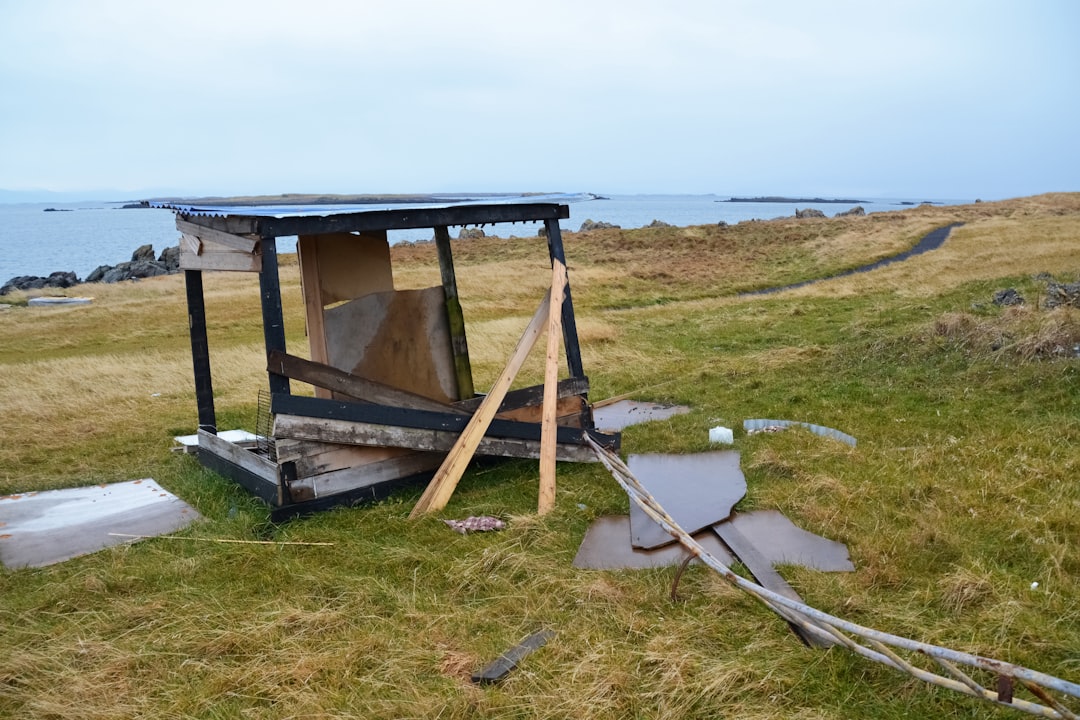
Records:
x=366, y=431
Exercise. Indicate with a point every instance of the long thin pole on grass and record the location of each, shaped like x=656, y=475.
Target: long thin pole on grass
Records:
x=869, y=643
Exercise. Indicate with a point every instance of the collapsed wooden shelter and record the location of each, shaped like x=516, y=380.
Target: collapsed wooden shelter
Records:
x=393, y=387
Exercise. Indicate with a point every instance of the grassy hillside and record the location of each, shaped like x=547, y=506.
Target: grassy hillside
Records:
x=961, y=493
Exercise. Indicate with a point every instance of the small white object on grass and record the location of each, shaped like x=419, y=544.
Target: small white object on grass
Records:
x=1035, y=585
x=721, y=434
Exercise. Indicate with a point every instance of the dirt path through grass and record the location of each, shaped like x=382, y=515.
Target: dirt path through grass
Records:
x=931, y=241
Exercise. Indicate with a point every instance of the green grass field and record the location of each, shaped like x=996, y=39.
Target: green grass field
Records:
x=961, y=493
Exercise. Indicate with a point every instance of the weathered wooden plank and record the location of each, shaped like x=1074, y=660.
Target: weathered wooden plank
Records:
x=354, y=386
x=449, y=473
x=222, y=261
x=315, y=458
x=255, y=472
x=546, y=499
x=423, y=419
x=239, y=243
x=372, y=435
x=190, y=244
x=353, y=478
x=238, y=455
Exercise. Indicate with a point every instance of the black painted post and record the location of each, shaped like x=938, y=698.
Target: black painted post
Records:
x=200, y=350
x=273, y=318
x=570, y=336
x=459, y=344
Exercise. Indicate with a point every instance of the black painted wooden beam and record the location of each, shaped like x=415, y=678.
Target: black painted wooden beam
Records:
x=200, y=350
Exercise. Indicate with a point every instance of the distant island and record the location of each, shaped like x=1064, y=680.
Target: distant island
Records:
x=781, y=199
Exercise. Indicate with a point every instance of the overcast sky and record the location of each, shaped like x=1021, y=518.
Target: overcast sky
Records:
x=935, y=98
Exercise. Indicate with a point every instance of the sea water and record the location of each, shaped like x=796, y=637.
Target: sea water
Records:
x=78, y=237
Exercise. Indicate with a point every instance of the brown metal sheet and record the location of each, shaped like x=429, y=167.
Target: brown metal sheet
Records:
x=606, y=546
x=697, y=490
x=781, y=542
x=624, y=413
x=42, y=528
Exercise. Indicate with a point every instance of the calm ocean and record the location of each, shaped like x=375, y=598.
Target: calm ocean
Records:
x=85, y=235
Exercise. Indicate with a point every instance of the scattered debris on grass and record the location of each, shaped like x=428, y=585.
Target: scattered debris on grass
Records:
x=502, y=665
x=759, y=425
x=483, y=523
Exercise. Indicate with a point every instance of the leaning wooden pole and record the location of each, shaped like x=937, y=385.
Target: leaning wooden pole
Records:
x=548, y=425
x=448, y=475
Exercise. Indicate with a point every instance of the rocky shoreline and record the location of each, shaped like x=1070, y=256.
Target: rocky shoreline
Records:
x=143, y=264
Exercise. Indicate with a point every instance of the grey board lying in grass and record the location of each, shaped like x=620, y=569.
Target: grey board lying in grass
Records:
x=42, y=528
x=779, y=541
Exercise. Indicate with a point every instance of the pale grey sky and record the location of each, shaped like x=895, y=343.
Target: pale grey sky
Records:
x=926, y=98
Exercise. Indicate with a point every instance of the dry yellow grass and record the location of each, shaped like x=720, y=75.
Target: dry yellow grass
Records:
x=960, y=493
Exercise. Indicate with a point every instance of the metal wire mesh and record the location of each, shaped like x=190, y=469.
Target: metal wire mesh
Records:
x=264, y=427
x=872, y=644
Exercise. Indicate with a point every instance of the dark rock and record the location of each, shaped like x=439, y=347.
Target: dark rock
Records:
x=144, y=253
x=134, y=271
x=1008, y=296
x=1062, y=295
x=170, y=258
x=35, y=282
x=658, y=224
x=722, y=223
x=542, y=232
x=809, y=213
x=62, y=280
x=98, y=273
x=468, y=233
x=597, y=225
x=856, y=211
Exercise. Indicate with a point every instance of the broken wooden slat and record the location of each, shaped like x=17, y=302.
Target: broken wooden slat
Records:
x=354, y=386
x=442, y=486
x=353, y=478
x=240, y=243
x=502, y=665
x=546, y=500
x=311, y=458
x=765, y=574
x=291, y=427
